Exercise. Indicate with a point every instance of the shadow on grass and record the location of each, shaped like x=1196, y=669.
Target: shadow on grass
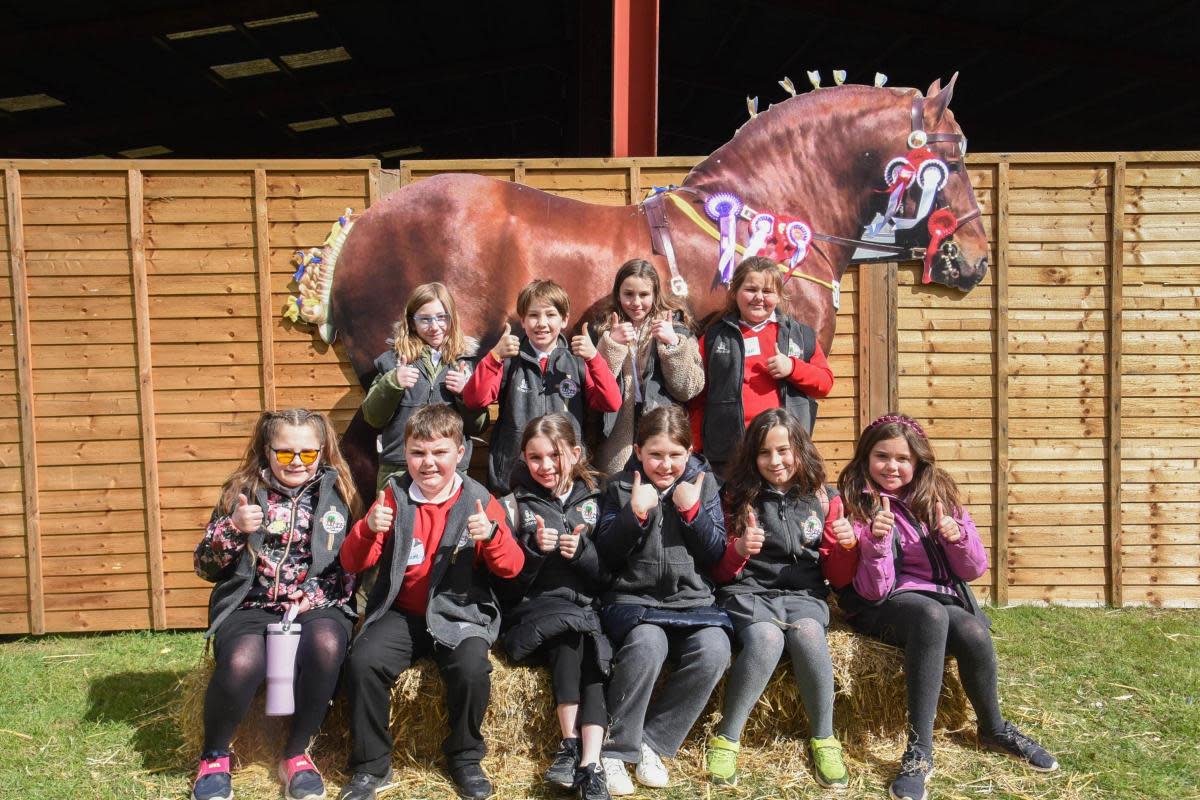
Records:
x=141, y=700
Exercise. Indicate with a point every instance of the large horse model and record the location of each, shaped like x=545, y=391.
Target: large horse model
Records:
x=847, y=160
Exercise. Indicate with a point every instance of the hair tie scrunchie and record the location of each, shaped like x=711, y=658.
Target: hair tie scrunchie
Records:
x=899, y=419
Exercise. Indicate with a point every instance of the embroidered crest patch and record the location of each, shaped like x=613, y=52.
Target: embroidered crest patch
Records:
x=812, y=530
x=568, y=388
x=589, y=511
x=528, y=520
x=333, y=521
x=794, y=350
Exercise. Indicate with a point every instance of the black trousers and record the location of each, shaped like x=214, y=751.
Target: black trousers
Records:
x=576, y=677
x=391, y=645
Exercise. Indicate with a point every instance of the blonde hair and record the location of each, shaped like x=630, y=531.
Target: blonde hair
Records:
x=409, y=344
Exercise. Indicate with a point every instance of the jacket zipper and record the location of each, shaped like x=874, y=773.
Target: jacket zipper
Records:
x=286, y=548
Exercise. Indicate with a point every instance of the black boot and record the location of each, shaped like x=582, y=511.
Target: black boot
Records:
x=471, y=782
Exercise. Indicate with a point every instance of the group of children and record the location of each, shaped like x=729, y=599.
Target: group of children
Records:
x=603, y=575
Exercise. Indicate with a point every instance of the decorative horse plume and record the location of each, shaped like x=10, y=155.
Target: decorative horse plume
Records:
x=752, y=106
x=839, y=76
x=880, y=80
x=786, y=83
x=814, y=77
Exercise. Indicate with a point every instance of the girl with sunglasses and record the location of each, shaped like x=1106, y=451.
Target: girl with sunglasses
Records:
x=429, y=362
x=271, y=548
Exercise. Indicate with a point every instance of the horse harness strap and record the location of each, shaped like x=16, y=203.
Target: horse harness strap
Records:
x=660, y=240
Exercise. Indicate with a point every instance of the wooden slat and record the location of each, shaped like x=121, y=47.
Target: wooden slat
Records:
x=876, y=341
x=141, y=293
x=262, y=258
x=32, y=507
x=635, y=182
x=187, y=164
x=373, y=194
x=1116, y=302
x=1000, y=563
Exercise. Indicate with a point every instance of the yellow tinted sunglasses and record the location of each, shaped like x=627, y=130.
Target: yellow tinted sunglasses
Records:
x=285, y=457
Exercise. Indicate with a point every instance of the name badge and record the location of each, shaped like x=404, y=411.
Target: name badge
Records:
x=752, y=347
x=417, y=554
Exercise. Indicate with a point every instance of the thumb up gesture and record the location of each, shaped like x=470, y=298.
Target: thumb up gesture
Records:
x=643, y=498
x=687, y=494
x=247, y=517
x=843, y=531
x=406, y=375
x=478, y=525
x=750, y=543
x=508, y=346
x=946, y=525
x=620, y=332
x=779, y=365
x=547, y=538
x=379, y=518
x=664, y=330
x=582, y=344
x=456, y=378
x=568, y=542
x=884, y=521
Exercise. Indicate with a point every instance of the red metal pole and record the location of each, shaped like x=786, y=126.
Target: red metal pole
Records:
x=635, y=78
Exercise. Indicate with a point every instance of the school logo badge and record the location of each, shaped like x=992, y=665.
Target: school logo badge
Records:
x=528, y=520
x=334, y=521
x=812, y=530
x=523, y=386
x=589, y=511
x=568, y=388
x=794, y=350
x=722, y=347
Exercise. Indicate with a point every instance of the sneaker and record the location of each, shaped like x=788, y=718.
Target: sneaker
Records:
x=916, y=768
x=1012, y=742
x=650, y=770
x=471, y=782
x=592, y=782
x=213, y=781
x=828, y=767
x=364, y=786
x=566, y=761
x=721, y=761
x=617, y=777
x=300, y=779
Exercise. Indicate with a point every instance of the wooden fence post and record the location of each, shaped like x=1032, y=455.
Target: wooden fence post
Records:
x=1000, y=439
x=1116, y=301
x=262, y=260
x=24, y=359
x=877, y=361
x=141, y=309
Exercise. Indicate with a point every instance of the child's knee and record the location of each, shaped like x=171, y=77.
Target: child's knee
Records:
x=467, y=663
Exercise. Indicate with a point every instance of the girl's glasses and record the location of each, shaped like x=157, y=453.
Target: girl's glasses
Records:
x=307, y=457
x=427, y=321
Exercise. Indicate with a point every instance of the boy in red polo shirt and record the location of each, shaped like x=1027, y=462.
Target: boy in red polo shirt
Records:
x=435, y=535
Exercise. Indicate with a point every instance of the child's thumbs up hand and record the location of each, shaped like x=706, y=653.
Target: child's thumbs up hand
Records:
x=547, y=538
x=884, y=521
x=947, y=526
x=843, y=531
x=664, y=330
x=620, y=332
x=456, y=378
x=779, y=365
x=750, y=543
x=687, y=494
x=247, y=517
x=379, y=518
x=643, y=497
x=582, y=344
x=406, y=375
x=478, y=525
x=508, y=346
x=568, y=541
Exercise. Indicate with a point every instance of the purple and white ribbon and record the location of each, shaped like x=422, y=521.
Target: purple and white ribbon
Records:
x=761, y=228
x=724, y=207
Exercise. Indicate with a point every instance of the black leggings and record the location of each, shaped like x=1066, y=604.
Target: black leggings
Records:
x=576, y=678
x=930, y=628
x=242, y=667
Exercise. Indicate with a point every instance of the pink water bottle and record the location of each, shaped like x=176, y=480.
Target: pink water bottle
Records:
x=282, y=640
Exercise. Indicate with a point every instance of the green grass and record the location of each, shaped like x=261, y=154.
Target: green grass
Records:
x=1115, y=695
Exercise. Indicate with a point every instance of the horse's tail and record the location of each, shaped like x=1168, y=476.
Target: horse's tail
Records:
x=314, y=280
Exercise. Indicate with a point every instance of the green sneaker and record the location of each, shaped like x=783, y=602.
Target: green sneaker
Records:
x=828, y=767
x=722, y=761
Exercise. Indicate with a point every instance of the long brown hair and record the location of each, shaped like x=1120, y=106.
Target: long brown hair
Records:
x=409, y=343
x=745, y=483
x=643, y=269
x=561, y=433
x=930, y=483
x=247, y=479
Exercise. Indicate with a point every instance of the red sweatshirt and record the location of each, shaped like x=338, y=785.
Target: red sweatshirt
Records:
x=363, y=548
x=760, y=391
x=599, y=386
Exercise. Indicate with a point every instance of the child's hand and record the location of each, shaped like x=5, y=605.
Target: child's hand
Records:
x=456, y=379
x=508, y=346
x=643, y=498
x=750, y=543
x=843, y=531
x=379, y=518
x=478, y=524
x=620, y=332
x=947, y=526
x=300, y=601
x=582, y=344
x=568, y=542
x=547, y=538
x=247, y=517
x=779, y=365
x=687, y=494
x=406, y=376
x=664, y=330
x=884, y=521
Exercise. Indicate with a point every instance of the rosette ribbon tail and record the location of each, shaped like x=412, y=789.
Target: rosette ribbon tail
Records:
x=942, y=224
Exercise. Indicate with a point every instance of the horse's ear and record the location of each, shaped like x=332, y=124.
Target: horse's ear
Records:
x=938, y=99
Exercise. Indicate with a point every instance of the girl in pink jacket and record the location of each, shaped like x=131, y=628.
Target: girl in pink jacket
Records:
x=918, y=549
